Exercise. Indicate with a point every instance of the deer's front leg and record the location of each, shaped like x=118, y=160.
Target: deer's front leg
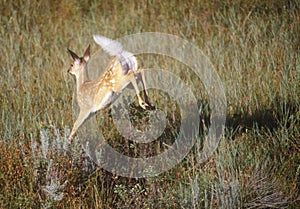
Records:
x=83, y=115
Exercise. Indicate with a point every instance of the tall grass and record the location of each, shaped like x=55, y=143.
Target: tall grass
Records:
x=254, y=46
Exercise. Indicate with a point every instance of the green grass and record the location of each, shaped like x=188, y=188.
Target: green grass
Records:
x=254, y=46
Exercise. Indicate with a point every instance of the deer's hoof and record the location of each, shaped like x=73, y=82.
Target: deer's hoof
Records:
x=147, y=106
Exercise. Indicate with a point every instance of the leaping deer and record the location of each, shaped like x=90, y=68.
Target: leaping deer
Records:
x=100, y=93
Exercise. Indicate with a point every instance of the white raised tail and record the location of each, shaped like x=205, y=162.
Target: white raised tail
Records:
x=115, y=48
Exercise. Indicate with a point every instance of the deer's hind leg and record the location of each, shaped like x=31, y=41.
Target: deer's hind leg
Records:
x=142, y=72
x=130, y=78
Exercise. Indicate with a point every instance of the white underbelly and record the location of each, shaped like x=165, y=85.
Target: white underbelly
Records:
x=125, y=85
x=105, y=102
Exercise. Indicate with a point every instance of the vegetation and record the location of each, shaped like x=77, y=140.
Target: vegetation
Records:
x=254, y=46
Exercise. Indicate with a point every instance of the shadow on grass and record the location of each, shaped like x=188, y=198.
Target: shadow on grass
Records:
x=265, y=118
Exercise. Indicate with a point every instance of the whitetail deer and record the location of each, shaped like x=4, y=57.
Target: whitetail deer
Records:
x=100, y=93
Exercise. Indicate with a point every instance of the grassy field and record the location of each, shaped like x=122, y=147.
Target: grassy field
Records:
x=254, y=46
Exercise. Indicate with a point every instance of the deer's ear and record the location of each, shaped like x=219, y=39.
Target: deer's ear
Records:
x=86, y=55
x=74, y=56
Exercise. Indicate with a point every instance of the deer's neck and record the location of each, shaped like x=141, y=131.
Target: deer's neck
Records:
x=82, y=78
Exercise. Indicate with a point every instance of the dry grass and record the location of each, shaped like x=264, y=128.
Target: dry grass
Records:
x=254, y=46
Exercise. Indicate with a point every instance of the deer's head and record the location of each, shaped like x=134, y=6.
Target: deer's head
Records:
x=79, y=64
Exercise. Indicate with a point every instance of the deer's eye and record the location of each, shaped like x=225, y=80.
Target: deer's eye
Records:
x=72, y=65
